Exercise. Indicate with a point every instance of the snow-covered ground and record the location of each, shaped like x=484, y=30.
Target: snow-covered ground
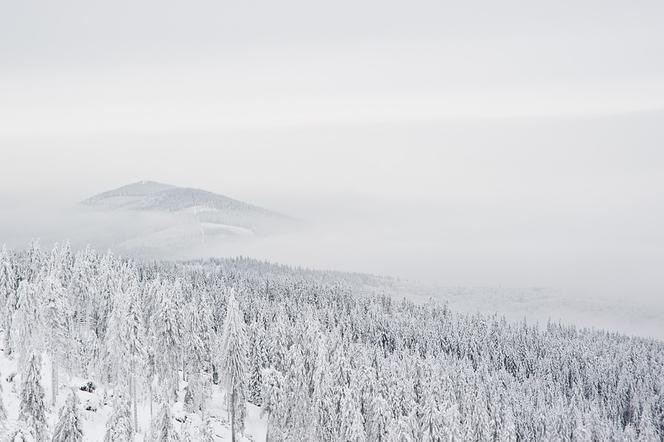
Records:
x=95, y=408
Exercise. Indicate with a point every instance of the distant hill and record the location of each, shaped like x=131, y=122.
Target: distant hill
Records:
x=196, y=214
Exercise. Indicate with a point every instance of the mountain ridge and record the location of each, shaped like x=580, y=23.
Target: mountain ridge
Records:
x=153, y=195
x=194, y=213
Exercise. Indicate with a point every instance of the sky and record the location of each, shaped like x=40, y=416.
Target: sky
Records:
x=471, y=143
x=76, y=66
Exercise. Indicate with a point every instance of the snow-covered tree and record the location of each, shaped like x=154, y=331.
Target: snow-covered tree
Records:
x=234, y=360
x=126, y=338
x=647, y=430
x=27, y=325
x=119, y=425
x=167, y=334
x=349, y=367
x=206, y=433
x=32, y=410
x=3, y=411
x=68, y=428
x=380, y=417
x=55, y=316
x=162, y=430
x=20, y=434
x=271, y=392
x=8, y=296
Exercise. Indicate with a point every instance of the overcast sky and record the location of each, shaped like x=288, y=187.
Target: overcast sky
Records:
x=506, y=142
x=155, y=65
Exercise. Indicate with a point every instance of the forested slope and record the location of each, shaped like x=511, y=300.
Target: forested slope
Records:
x=324, y=361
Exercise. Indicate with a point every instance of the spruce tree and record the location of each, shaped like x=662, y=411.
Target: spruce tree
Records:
x=3, y=411
x=27, y=325
x=206, y=432
x=68, y=428
x=56, y=325
x=8, y=296
x=380, y=418
x=32, y=410
x=234, y=360
x=20, y=435
x=119, y=425
x=163, y=430
x=168, y=337
x=272, y=398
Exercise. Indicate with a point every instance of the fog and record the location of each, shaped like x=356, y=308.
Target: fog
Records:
x=481, y=144
x=566, y=203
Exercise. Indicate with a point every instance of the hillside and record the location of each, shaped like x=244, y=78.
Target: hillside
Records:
x=188, y=217
x=321, y=359
x=206, y=207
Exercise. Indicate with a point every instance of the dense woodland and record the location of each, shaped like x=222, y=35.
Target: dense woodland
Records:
x=324, y=359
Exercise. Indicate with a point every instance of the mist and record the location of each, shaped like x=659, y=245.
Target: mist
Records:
x=563, y=203
x=503, y=146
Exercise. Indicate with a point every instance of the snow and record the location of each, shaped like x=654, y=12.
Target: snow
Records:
x=214, y=228
x=94, y=422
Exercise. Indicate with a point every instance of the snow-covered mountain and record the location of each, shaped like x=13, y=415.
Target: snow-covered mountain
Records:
x=188, y=216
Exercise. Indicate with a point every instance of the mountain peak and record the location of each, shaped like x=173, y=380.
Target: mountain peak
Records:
x=206, y=207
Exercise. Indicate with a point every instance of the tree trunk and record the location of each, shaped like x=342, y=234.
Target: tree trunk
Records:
x=267, y=430
x=133, y=393
x=54, y=380
x=150, y=395
x=233, y=415
x=8, y=338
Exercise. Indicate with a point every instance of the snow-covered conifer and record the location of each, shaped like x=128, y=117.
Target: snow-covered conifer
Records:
x=27, y=329
x=272, y=397
x=3, y=411
x=8, y=296
x=168, y=336
x=234, y=360
x=380, y=417
x=119, y=425
x=55, y=317
x=68, y=428
x=206, y=432
x=32, y=410
x=162, y=430
x=20, y=434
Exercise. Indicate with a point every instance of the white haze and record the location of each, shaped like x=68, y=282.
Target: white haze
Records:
x=494, y=144
x=565, y=203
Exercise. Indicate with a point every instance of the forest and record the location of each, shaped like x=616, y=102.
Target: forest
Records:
x=324, y=359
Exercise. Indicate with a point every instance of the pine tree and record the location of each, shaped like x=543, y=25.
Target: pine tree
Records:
x=206, y=432
x=355, y=430
x=647, y=431
x=32, y=410
x=168, y=337
x=3, y=411
x=119, y=425
x=163, y=430
x=234, y=360
x=272, y=398
x=125, y=343
x=187, y=433
x=380, y=419
x=432, y=418
x=8, y=296
x=56, y=324
x=27, y=325
x=20, y=435
x=68, y=428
